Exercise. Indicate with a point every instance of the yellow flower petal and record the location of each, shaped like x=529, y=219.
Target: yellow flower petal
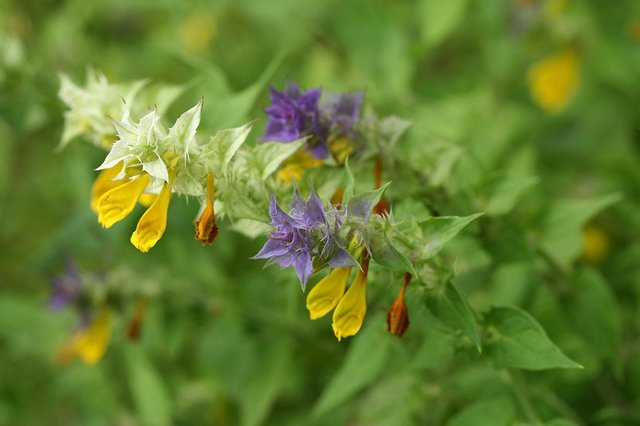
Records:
x=153, y=222
x=92, y=344
x=103, y=183
x=350, y=312
x=553, y=80
x=296, y=165
x=117, y=203
x=340, y=148
x=146, y=200
x=327, y=293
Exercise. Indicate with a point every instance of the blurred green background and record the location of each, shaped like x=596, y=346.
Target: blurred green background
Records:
x=225, y=342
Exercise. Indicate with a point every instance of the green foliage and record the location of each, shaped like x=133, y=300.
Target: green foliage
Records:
x=516, y=340
x=518, y=224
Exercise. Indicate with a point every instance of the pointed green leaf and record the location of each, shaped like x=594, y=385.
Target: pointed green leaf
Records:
x=268, y=156
x=350, y=184
x=365, y=361
x=448, y=305
x=226, y=142
x=496, y=410
x=149, y=392
x=518, y=341
x=266, y=383
x=386, y=254
x=440, y=18
x=363, y=203
x=595, y=314
x=506, y=193
x=438, y=231
x=562, y=229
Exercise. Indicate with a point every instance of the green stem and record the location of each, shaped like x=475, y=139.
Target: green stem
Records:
x=521, y=393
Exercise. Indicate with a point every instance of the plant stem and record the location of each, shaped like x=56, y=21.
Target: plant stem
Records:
x=519, y=389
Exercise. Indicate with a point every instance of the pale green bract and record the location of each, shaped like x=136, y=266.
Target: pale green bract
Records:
x=92, y=108
x=174, y=154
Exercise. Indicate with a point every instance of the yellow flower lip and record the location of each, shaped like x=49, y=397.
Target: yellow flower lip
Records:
x=153, y=222
x=89, y=344
x=326, y=295
x=104, y=183
x=350, y=312
x=117, y=203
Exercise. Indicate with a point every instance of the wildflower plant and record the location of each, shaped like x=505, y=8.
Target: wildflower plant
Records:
x=446, y=239
x=314, y=184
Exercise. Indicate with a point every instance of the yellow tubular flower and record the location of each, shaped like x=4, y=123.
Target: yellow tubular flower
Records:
x=350, y=312
x=340, y=148
x=117, y=203
x=327, y=293
x=554, y=79
x=89, y=343
x=295, y=165
x=93, y=343
x=153, y=222
x=103, y=183
x=146, y=200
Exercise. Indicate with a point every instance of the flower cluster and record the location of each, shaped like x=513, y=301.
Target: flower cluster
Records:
x=93, y=297
x=149, y=159
x=309, y=236
x=148, y=162
x=303, y=234
x=329, y=126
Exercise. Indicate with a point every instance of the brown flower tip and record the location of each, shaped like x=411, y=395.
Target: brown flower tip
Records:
x=206, y=228
x=135, y=325
x=397, y=316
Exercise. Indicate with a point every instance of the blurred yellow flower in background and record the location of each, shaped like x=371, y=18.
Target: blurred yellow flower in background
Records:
x=88, y=343
x=554, y=79
x=595, y=244
x=198, y=32
x=295, y=165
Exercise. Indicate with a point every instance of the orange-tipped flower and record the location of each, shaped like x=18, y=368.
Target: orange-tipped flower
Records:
x=133, y=330
x=397, y=316
x=206, y=228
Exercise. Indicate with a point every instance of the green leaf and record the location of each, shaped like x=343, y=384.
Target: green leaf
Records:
x=495, y=411
x=595, y=314
x=268, y=156
x=363, y=203
x=386, y=254
x=365, y=361
x=149, y=392
x=438, y=231
x=439, y=19
x=562, y=229
x=350, y=184
x=448, y=305
x=560, y=422
x=265, y=383
x=228, y=141
x=507, y=192
x=517, y=341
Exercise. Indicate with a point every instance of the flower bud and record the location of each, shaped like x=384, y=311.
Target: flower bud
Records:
x=397, y=316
